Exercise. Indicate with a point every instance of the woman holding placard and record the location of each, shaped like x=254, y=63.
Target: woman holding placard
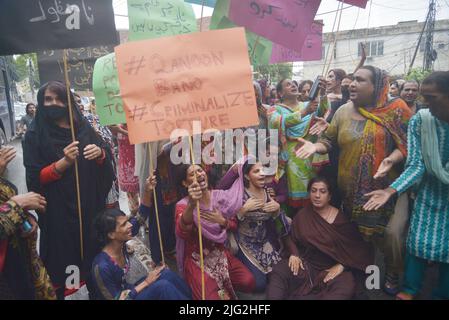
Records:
x=49, y=158
x=223, y=273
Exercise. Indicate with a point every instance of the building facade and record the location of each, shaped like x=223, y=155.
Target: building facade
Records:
x=389, y=47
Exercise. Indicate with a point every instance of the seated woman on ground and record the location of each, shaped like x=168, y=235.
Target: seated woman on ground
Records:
x=259, y=224
x=327, y=254
x=277, y=189
x=223, y=273
x=111, y=265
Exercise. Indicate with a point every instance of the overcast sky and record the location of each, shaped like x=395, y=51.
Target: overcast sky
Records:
x=383, y=12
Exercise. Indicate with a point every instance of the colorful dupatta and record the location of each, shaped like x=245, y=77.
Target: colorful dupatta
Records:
x=290, y=127
x=258, y=236
x=25, y=268
x=258, y=232
x=385, y=130
x=227, y=202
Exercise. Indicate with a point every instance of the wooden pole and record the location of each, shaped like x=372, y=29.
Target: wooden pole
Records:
x=329, y=46
x=155, y=206
x=72, y=128
x=335, y=40
x=200, y=237
x=256, y=42
x=201, y=20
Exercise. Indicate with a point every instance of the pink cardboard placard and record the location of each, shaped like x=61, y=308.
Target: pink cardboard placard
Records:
x=311, y=50
x=170, y=82
x=286, y=22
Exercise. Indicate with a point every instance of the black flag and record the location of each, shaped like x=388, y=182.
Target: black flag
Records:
x=37, y=25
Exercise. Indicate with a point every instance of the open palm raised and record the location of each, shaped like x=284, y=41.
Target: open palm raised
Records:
x=306, y=150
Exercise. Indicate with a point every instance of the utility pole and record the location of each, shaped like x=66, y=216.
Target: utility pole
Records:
x=31, y=77
x=430, y=55
x=419, y=42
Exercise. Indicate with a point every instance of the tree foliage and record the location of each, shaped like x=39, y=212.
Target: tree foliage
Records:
x=275, y=72
x=23, y=69
x=417, y=74
x=11, y=68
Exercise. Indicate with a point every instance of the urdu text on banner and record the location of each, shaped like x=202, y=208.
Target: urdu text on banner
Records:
x=31, y=26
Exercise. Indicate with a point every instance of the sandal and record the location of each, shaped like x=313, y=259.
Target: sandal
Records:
x=391, y=288
x=404, y=296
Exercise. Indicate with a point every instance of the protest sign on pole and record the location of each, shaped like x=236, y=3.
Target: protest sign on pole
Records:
x=259, y=48
x=154, y=19
x=285, y=22
x=107, y=91
x=357, y=3
x=80, y=63
x=311, y=50
x=31, y=26
x=168, y=83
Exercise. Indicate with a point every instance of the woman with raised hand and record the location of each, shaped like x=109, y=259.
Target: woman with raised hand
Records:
x=371, y=133
x=22, y=273
x=427, y=168
x=224, y=274
x=295, y=120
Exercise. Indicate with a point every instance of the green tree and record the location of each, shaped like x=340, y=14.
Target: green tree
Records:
x=275, y=72
x=11, y=68
x=417, y=74
x=23, y=69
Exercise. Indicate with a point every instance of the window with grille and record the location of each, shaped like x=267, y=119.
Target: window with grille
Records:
x=323, y=51
x=372, y=48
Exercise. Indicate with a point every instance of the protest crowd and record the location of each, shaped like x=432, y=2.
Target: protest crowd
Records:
x=361, y=179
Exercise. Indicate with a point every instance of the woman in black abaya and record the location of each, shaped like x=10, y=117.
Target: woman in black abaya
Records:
x=49, y=157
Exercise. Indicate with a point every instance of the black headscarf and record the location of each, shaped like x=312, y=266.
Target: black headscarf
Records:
x=44, y=143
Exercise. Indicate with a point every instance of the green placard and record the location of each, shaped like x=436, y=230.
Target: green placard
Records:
x=221, y=10
x=149, y=19
x=107, y=91
x=262, y=46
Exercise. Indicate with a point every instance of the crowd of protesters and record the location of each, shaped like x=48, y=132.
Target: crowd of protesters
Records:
x=363, y=167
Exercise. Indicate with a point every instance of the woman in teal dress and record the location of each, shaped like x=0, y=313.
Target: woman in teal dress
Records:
x=427, y=168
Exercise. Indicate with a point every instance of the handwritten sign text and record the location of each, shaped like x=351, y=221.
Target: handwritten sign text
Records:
x=150, y=19
x=107, y=91
x=80, y=65
x=168, y=83
x=285, y=22
x=311, y=49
